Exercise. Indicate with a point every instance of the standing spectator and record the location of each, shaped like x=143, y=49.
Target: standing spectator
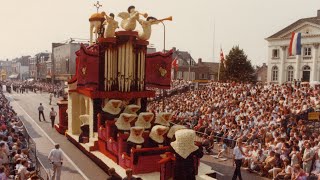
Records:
x=129, y=175
x=238, y=156
x=307, y=158
x=41, y=109
x=50, y=98
x=112, y=175
x=55, y=156
x=53, y=115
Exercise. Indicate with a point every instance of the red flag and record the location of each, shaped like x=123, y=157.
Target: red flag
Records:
x=175, y=63
x=222, y=58
x=158, y=70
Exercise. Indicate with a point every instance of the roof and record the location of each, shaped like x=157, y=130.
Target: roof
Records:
x=314, y=20
x=212, y=65
x=184, y=56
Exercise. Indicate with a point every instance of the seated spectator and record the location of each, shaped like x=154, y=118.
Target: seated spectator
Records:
x=298, y=173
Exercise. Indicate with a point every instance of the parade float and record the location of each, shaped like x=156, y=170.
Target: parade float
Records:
x=105, y=114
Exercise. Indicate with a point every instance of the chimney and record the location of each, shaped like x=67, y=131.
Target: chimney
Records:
x=174, y=49
x=319, y=13
x=199, y=60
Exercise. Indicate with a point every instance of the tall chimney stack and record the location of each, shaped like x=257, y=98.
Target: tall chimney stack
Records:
x=319, y=13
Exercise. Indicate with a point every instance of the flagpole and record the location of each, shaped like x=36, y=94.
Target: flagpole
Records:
x=213, y=40
x=219, y=71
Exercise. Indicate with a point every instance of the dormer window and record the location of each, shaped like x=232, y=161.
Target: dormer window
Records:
x=275, y=53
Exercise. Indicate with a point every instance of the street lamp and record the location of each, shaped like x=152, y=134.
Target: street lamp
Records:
x=67, y=65
x=164, y=50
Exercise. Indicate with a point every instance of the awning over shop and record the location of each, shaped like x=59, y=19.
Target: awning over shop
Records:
x=14, y=76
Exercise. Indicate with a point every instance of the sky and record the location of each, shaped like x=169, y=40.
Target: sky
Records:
x=199, y=26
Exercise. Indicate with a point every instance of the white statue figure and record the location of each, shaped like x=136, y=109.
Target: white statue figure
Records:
x=84, y=119
x=95, y=24
x=112, y=106
x=163, y=118
x=174, y=129
x=129, y=19
x=146, y=27
x=123, y=122
x=110, y=26
x=144, y=120
x=132, y=109
x=157, y=136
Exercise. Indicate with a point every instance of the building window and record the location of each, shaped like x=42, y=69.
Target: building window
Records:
x=274, y=74
x=192, y=76
x=275, y=53
x=290, y=74
x=203, y=76
x=307, y=51
x=179, y=75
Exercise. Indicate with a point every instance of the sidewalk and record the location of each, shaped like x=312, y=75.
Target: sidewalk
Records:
x=44, y=144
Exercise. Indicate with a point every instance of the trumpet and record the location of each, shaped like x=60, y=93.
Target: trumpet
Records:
x=166, y=19
x=145, y=15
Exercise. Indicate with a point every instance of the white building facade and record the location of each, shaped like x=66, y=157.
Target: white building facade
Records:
x=284, y=68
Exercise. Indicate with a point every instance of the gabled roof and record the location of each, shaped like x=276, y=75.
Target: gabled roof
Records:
x=314, y=20
x=213, y=66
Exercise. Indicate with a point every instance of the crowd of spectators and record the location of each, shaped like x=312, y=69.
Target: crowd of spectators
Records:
x=15, y=159
x=34, y=86
x=271, y=120
x=177, y=86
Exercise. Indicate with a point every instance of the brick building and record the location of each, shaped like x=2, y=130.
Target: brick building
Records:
x=198, y=71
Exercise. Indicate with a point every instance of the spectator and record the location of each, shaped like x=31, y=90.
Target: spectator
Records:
x=55, y=156
x=129, y=175
x=112, y=175
x=41, y=109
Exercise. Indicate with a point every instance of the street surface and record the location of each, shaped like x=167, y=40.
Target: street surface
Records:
x=76, y=165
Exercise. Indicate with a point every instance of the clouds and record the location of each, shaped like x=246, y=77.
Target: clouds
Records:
x=28, y=27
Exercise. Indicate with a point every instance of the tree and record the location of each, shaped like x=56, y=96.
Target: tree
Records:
x=238, y=67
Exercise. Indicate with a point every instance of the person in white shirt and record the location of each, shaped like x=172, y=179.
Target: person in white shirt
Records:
x=53, y=115
x=55, y=156
x=238, y=156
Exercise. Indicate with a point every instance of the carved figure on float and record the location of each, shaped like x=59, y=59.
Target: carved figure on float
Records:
x=131, y=108
x=135, y=139
x=110, y=26
x=96, y=21
x=112, y=108
x=84, y=120
x=130, y=18
x=163, y=118
x=156, y=136
x=123, y=122
x=144, y=120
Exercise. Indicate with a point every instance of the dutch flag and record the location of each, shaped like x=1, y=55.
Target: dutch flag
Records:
x=295, y=44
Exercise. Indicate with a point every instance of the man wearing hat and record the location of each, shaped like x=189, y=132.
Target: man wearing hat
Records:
x=56, y=159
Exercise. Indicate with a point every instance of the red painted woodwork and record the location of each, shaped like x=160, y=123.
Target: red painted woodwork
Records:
x=63, y=117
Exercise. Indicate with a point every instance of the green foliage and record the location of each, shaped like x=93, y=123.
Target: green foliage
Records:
x=238, y=67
